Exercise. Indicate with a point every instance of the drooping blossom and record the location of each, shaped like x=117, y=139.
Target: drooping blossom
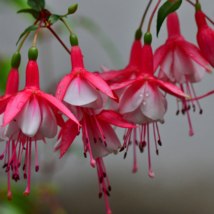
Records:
x=142, y=102
x=205, y=35
x=99, y=139
x=29, y=115
x=180, y=62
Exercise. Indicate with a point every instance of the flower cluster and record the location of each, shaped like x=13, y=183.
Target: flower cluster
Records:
x=137, y=97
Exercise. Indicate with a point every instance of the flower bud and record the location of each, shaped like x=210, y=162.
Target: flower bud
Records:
x=16, y=59
x=33, y=53
x=73, y=40
x=148, y=38
x=138, y=34
x=72, y=9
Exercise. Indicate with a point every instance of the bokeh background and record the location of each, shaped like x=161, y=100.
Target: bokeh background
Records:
x=184, y=169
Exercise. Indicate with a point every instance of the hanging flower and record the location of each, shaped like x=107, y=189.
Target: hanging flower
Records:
x=180, y=62
x=99, y=139
x=29, y=116
x=143, y=103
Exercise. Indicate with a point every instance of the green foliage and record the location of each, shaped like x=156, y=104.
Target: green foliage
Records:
x=29, y=29
x=33, y=12
x=54, y=18
x=167, y=8
x=37, y=4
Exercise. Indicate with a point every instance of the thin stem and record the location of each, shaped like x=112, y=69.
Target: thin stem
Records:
x=66, y=24
x=208, y=18
x=37, y=31
x=144, y=15
x=62, y=43
x=198, y=98
x=153, y=13
x=25, y=37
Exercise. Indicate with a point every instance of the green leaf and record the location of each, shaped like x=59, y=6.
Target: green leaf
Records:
x=37, y=4
x=167, y=8
x=33, y=12
x=29, y=29
x=54, y=18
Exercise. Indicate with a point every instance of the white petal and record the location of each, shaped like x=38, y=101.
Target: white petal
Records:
x=98, y=103
x=74, y=110
x=80, y=92
x=132, y=98
x=113, y=143
x=154, y=104
x=113, y=104
x=198, y=74
x=12, y=128
x=2, y=129
x=48, y=127
x=136, y=116
x=29, y=118
x=167, y=66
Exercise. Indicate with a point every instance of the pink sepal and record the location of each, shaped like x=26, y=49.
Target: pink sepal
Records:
x=99, y=83
x=51, y=99
x=62, y=86
x=69, y=132
x=15, y=105
x=114, y=118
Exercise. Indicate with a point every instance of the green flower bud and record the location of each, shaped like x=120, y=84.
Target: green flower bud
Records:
x=198, y=7
x=138, y=34
x=16, y=59
x=33, y=53
x=72, y=9
x=148, y=38
x=73, y=40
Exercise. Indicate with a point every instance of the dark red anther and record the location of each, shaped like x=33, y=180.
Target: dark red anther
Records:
x=193, y=108
x=100, y=195
x=85, y=155
x=37, y=168
x=104, y=174
x=109, y=188
x=7, y=169
x=201, y=111
x=95, y=140
x=23, y=167
x=1, y=157
x=160, y=143
x=5, y=165
x=25, y=176
x=107, y=193
x=121, y=149
x=125, y=154
x=157, y=152
x=177, y=112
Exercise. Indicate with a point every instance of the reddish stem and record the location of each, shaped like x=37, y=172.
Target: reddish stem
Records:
x=52, y=31
x=153, y=13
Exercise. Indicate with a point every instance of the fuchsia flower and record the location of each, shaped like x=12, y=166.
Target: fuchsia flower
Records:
x=205, y=36
x=143, y=103
x=180, y=62
x=99, y=139
x=29, y=116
